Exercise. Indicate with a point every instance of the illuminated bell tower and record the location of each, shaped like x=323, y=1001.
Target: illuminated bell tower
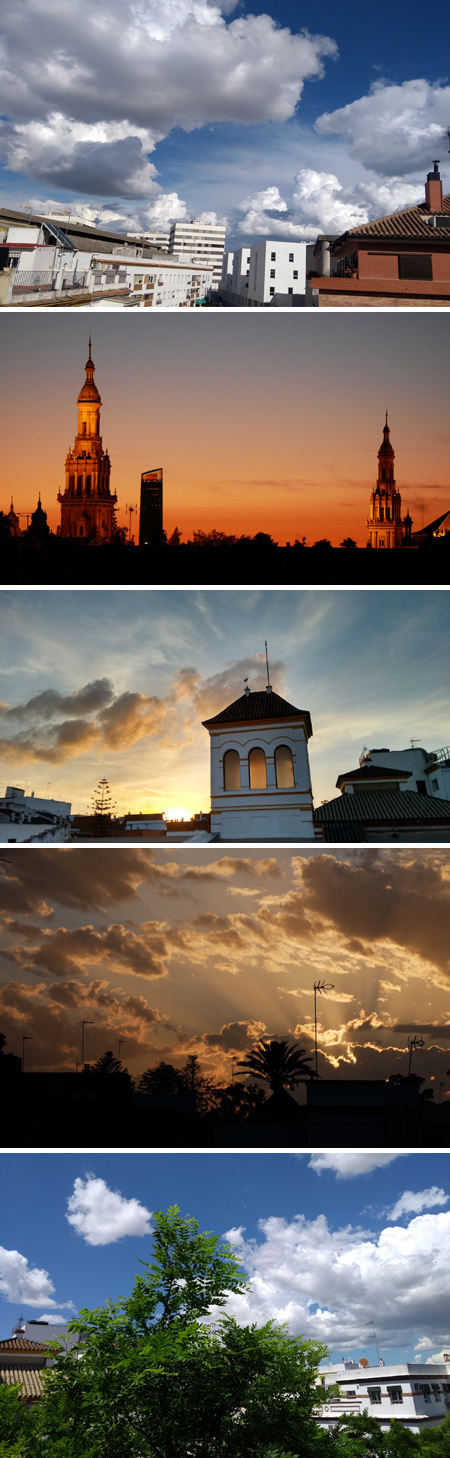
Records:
x=384, y=522
x=87, y=506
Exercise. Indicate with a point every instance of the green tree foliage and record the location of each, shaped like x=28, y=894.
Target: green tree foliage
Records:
x=16, y=1422
x=163, y=1374
x=279, y=1064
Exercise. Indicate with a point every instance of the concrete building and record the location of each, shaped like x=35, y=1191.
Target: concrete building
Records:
x=417, y=1394
x=396, y=261
x=227, y=273
x=28, y=818
x=151, y=507
x=87, y=505
x=69, y=263
x=201, y=242
x=377, y=803
x=268, y=273
x=427, y=772
x=260, y=778
x=152, y=239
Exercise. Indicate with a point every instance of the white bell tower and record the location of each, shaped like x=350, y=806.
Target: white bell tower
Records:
x=260, y=779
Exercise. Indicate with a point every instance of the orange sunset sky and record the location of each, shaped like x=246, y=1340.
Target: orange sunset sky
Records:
x=260, y=423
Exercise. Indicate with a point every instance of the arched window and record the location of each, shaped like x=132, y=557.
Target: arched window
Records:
x=284, y=767
x=257, y=769
x=71, y=483
x=231, y=770
x=88, y=485
x=383, y=474
x=80, y=532
x=79, y=485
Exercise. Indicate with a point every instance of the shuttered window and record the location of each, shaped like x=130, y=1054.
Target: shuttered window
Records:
x=415, y=265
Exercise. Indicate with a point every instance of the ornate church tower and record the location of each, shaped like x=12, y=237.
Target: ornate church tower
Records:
x=87, y=506
x=384, y=522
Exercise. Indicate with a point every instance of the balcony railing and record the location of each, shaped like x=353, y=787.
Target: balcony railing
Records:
x=30, y=281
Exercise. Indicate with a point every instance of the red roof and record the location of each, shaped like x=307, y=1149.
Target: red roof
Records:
x=410, y=223
x=261, y=705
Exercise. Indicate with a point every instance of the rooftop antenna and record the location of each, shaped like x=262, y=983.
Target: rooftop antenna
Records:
x=372, y=1324
x=90, y=356
x=268, y=684
x=247, y=690
x=386, y=416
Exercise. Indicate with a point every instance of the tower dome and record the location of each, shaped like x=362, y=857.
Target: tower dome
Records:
x=87, y=505
x=384, y=522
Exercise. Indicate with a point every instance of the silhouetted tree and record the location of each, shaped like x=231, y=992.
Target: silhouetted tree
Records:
x=198, y=1086
x=323, y=543
x=348, y=542
x=279, y=1064
x=102, y=809
x=175, y=539
x=239, y=1101
x=108, y=1064
x=164, y=1079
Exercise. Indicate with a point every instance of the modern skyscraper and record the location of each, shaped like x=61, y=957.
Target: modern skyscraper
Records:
x=87, y=506
x=151, y=510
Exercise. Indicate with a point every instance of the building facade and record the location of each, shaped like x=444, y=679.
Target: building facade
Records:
x=384, y=522
x=87, y=505
x=260, y=778
x=396, y=261
x=151, y=507
x=427, y=771
x=202, y=242
x=267, y=273
x=415, y=1393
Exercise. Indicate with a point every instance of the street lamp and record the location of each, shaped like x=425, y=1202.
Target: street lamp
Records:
x=319, y=987
x=414, y=1043
x=86, y=1023
x=27, y=1038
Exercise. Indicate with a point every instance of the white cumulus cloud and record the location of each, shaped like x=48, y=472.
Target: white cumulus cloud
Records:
x=346, y=1163
x=25, y=1284
x=393, y=129
x=328, y=1284
x=89, y=91
x=103, y=1216
x=414, y=1201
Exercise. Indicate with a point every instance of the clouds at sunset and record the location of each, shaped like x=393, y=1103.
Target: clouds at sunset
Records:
x=94, y=929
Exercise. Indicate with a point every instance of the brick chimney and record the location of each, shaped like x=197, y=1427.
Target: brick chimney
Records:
x=433, y=190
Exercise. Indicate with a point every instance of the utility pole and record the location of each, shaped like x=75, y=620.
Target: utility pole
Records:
x=319, y=987
x=372, y=1324
x=121, y=1040
x=86, y=1023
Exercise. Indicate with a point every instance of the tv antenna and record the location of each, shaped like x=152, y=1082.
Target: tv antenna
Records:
x=268, y=684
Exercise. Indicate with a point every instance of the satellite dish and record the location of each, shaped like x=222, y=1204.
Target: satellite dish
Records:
x=363, y=1362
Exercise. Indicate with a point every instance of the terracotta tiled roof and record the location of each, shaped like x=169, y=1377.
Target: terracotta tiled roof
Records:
x=31, y=1382
x=21, y=1344
x=411, y=223
x=373, y=772
x=258, y=706
x=387, y=805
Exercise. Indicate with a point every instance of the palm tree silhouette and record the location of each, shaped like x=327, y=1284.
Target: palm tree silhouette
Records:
x=281, y=1065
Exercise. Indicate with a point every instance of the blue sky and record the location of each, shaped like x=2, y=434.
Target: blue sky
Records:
x=333, y=1216
x=143, y=114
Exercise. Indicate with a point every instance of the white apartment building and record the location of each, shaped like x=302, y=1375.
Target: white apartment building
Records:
x=200, y=242
x=165, y=281
x=29, y=818
x=428, y=771
x=125, y=276
x=152, y=239
x=267, y=273
x=227, y=271
x=416, y=1393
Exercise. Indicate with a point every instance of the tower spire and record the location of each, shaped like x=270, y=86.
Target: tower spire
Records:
x=90, y=357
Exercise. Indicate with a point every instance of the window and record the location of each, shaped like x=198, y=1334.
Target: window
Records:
x=395, y=1394
x=295, y=273
x=231, y=770
x=435, y=786
x=79, y=485
x=71, y=483
x=374, y=1394
x=421, y=787
x=291, y=258
x=284, y=767
x=272, y=273
x=88, y=485
x=290, y=291
x=415, y=265
x=257, y=769
x=271, y=291
x=273, y=257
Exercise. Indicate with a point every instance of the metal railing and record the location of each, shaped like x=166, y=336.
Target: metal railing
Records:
x=30, y=281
